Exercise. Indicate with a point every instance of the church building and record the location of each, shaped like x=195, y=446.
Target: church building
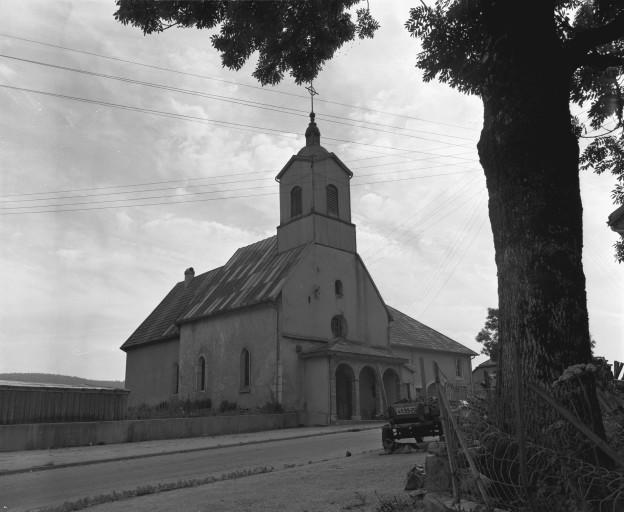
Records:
x=294, y=320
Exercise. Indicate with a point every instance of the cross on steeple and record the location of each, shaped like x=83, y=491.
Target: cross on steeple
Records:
x=312, y=134
x=313, y=93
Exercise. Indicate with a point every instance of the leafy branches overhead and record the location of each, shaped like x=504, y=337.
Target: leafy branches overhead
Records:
x=466, y=43
x=290, y=37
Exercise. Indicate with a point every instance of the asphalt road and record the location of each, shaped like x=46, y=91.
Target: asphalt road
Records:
x=37, y=489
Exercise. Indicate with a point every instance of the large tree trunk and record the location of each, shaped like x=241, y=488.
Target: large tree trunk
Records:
x=530, y=157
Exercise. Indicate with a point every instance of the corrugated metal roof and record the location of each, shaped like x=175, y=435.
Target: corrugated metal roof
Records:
x=404, y=330
x=160, y=324
x=254, y=274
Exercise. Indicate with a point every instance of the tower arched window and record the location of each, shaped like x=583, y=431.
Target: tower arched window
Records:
x=201, y=375
x=332, y=200
x=245, y=370
x=295, y=201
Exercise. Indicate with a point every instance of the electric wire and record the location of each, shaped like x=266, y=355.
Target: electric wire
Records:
x=228, y=124
x=232, y=82
x=41, y=207
x=254, y=104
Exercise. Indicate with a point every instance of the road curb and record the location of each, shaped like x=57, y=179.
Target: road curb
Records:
x=46, y=467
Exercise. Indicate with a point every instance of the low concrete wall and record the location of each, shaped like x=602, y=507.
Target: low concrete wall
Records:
x=38, y=436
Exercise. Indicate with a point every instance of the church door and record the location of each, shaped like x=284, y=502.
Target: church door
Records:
x=344, y=392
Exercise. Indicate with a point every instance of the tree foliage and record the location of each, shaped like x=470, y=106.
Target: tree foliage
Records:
x=488, y=336
x=295, y=37
x=460, y=40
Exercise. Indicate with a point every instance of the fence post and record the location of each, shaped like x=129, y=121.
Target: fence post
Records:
x=450, y=440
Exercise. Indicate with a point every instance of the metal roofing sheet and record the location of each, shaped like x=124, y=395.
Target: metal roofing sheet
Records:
x=404, y=330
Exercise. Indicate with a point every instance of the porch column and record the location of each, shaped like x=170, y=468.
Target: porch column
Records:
x=333, y=413
x=356, y=400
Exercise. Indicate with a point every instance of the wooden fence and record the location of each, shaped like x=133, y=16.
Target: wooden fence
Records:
x=24, y=403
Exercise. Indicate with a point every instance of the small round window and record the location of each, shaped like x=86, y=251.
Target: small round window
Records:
x=339, y=326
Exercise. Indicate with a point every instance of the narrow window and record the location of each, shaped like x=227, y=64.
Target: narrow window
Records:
x=176, y=378
x=295, y=201
x=245, y=370
x=338, y=287
x=202, y=374
x=339, y=326
x=459, y=371
x=332, y=200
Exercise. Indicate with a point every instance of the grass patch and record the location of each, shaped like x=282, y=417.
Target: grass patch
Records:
x=145, y=490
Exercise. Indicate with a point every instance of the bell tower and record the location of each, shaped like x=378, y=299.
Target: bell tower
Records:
x=315, y=198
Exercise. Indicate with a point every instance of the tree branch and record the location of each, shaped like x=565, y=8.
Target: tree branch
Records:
x=601, y=61
x=585, y=41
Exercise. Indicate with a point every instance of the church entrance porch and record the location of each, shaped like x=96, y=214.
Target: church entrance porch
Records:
x=345, y=391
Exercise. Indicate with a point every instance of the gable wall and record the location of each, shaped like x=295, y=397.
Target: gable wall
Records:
x=422, y=362
x=150, y=373
x=220, y=340
x=309, y=301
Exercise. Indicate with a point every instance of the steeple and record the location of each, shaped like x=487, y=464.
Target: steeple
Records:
x=312, y=134
x=315, y=198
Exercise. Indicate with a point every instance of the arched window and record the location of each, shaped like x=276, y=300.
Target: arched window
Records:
x=338, y=287
x=176, y=378
x=201, y=375
x=295, y=201
x=245, y=370
x=339, y=326
x=332, y=200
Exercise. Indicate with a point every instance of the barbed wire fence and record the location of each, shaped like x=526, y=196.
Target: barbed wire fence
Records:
x=529, y=468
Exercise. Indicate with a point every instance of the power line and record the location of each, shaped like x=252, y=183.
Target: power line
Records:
x=249, y=103
x=241, y=84
x=41, y=207
x=28, y=197
x=229, y=124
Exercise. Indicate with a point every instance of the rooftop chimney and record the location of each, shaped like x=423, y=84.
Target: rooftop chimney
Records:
x=189, y=274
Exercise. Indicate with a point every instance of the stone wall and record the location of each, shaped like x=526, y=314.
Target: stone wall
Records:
x=40, y=436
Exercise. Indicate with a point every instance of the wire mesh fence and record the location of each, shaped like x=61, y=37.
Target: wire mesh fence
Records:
x=555, y=466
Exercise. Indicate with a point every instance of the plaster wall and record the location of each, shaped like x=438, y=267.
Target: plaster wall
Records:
x=220, y=340
x=316, y=391
x=422, y=362
x=150, y=373
x=309, y=300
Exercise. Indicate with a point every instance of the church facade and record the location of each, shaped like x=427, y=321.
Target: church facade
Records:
x=294, y=320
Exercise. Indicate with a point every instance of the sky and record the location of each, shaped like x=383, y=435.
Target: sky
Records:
x=111, y=188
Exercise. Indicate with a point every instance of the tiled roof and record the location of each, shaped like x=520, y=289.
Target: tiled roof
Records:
x=160, y=324
x=404, y=330
x=254, y=274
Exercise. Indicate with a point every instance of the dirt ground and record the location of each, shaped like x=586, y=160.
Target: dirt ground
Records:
x=356, y=483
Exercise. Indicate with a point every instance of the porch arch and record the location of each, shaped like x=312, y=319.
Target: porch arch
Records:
x=368, y=393
x=392, y=385
x=345, y=392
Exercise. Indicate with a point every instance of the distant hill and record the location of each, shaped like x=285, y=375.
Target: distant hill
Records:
x=51, y=378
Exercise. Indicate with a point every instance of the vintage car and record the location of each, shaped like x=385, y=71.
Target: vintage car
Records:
x=410, y=420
